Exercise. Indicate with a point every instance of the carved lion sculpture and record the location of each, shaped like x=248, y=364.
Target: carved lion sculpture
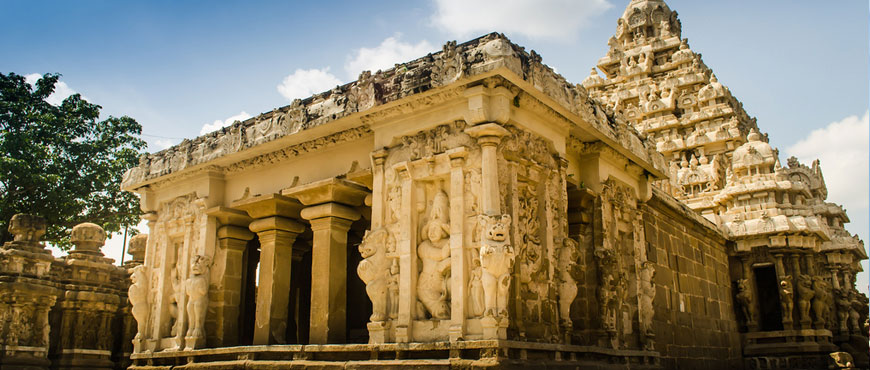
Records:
x=821, y=299
x=744, y=298
x=138, y=294
x=196, y=287
x=805, y=295
x=374, y=270
x=497, y=260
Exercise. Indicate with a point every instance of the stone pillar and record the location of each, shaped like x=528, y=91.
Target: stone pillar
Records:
x=489, y=135
x=406, y=248
x=233, y=236
x=88, y=303
x=330, y=223
x=276, y=229
x=26, y=295
x=458, y=255
x=329, y=210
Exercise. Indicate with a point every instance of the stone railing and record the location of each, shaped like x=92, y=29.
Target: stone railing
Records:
x=68, y=312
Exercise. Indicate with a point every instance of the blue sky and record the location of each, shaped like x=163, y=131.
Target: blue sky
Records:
x=799, y=66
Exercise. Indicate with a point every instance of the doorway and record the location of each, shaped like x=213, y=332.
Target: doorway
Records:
x=770, y=311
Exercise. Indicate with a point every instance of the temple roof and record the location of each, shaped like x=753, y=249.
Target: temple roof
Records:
x=372, y=92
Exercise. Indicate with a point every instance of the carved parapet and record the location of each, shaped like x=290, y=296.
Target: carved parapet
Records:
x=88, y=305
x=26, y=295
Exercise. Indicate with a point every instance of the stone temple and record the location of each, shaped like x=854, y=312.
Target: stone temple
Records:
x=469, y=209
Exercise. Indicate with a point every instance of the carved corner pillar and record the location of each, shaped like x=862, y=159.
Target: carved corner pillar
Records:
x=497, y=255
x=88, y=303
x=233, y=236
x=329, y=211
x=276, y=229
x=26, y=295
x=489, y=135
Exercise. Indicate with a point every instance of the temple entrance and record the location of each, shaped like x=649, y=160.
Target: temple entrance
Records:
x=359, y=307
x=770, y=312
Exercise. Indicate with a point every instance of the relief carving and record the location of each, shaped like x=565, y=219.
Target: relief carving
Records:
x=744, y=299
x=786, y=295
x=496, y=259
x=434, y=252
x=196, y=288
x=139, y=299
x=805, y=295
x=374, y=270
x=821, y=300
x=568, y=275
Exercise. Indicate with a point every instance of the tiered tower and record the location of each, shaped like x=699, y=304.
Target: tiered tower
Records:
x=790, y=245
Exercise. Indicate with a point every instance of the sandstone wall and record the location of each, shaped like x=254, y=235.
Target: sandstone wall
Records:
x=694, y=320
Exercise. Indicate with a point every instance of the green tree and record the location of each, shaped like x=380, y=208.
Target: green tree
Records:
x=61, y=162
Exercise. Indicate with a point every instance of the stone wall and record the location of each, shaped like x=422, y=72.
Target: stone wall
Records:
x=694, y=320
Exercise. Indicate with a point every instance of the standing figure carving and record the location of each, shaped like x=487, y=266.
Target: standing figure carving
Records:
x=647, y=295
x=744, y=299
x=497, y=260
x=434, y=252
x=477, y=303
x=805, y=295
x=786, y=295
x=196, y=287
x=568, y=276
x=138, y=294
x=374, y=270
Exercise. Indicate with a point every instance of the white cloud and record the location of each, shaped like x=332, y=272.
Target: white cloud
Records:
x=391, y=51
x=556, y=19
x=61, y=89
x=217, y=124
x=842, y=148
x=161, y=144
x=306, y=82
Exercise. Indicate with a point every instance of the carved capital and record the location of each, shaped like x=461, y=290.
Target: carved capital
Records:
x=489, y=134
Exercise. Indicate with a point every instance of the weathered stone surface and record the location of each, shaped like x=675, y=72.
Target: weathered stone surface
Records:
x=495, y=216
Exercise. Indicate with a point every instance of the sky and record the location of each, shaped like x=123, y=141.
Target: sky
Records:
x=183, y=68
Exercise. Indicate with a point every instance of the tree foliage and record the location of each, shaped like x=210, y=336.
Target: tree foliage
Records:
x=61, y=162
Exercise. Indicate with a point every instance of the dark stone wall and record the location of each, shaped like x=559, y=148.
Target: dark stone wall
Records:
x=694, y=321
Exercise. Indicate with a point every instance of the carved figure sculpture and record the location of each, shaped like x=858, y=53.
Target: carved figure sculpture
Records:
x=821, y=300
x=854, y=315
x=568, y=255
x=374, y=270
x=138, y=294
x=786, y=296
x=647, y=295
x=843, y=308
x=196, y=287
x=497, y=260
x=805, y=296
x=744, y=298
x=434, y=252
x=393, y=290
x=476, y=304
